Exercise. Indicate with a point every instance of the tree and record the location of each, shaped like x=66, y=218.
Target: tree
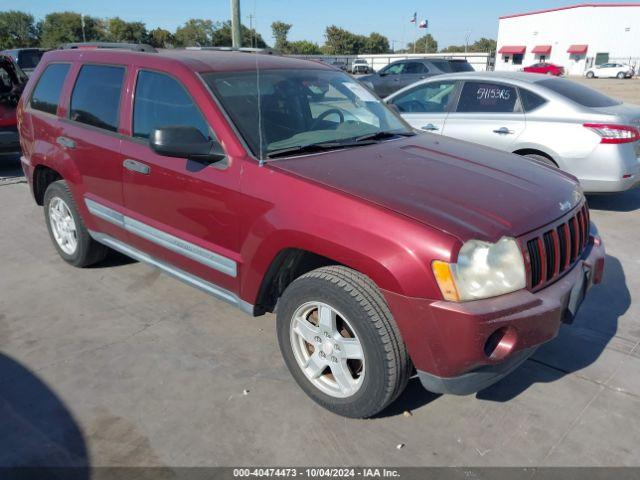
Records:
x=376, y=43
x=161, y=38
x=17, y=29
x=425, y=44
x=64, y=27
x=487, y=45
x=453, y=49
x=222, y=36
x=196, y=32
x=131, y=32
x=280, y=32
x=339, y=41
x=303, y=47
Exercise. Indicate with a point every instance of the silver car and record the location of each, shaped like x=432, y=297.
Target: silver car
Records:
x=554, y=120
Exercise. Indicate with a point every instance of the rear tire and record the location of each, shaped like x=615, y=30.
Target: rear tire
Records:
x=67, y=230
x=353, y=312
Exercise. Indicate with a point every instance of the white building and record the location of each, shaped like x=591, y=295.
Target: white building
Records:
x=574, y=37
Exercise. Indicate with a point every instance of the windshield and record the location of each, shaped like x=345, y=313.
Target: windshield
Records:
x=585, y=96
x=299, y=108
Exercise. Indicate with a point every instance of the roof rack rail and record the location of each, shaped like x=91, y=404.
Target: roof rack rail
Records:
x=263, y=51
x=136, y=47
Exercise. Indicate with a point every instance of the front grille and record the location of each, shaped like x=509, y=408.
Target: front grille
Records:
x=556, y=250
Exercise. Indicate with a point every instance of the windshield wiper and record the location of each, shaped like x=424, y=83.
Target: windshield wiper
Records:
x=316, y=147
x=381, y=135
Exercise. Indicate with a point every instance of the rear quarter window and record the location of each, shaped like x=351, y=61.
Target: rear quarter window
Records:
x=530, y=100
x=46, y=95
x=96, y=96
x=585, y=96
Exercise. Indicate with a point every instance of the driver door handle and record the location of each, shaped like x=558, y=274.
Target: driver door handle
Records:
x=135, y=166
x=429, y=127
x=503, y=131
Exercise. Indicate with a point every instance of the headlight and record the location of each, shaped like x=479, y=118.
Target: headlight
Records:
x=483, y=270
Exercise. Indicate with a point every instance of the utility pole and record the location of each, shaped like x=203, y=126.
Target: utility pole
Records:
x=251, y=16
x=236, y=38
x=84, y=38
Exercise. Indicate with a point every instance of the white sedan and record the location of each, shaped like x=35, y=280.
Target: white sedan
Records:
x=553, y=120
x=610, y=70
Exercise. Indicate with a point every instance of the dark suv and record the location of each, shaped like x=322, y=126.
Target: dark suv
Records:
x=399, y=74
x=12, y=81
x=278, y=184
x=26, y=58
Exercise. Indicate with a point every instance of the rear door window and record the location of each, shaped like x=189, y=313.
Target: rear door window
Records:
x=46, y=95
x=415, y=67
x=161, y=101
x=96, y=96
x=484, y=97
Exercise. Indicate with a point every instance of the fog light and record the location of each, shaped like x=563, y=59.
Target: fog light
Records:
x=500, y=343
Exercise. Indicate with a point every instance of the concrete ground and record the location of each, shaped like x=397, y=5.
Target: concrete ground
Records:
x=121, y=365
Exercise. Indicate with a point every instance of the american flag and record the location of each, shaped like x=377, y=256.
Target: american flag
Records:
x=423, y=24
x=414, y=19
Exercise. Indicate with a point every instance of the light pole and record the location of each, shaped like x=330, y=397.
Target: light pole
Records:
x=466, y=41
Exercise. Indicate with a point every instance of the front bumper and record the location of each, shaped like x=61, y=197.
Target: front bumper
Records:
x=448, y=341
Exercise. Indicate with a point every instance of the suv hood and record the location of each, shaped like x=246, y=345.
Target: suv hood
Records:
x=464, y=189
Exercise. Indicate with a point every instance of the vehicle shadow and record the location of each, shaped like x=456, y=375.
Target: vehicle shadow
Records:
x=578, y=345
x=10, y=167
x=114, y=259
x=414, y=397
x=619, y=202
x=39, y=438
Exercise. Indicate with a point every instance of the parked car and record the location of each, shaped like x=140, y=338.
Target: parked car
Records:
x=553, y=120
x=26, y=58
x=341, y=64
x=545, y=68
x=610, y=70
x=359, y=65
x=399, y=74
x=383, y=250
x=12, y=82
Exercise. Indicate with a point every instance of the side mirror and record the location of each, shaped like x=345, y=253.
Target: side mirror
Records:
x=185, y=142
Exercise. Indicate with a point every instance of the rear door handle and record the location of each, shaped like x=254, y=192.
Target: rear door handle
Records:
x=503, y=131
x=135, y=166
x=429, y=127
x=66, y=142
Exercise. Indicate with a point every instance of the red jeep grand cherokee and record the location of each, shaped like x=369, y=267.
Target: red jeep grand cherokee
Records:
x=283, y=185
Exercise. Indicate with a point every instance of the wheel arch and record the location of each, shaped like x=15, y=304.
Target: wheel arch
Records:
x=537, y=151
x=43, y=176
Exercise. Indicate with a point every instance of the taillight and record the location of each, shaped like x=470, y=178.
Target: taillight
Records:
x=614, y=133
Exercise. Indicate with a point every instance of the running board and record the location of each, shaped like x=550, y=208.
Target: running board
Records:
x=177, y=273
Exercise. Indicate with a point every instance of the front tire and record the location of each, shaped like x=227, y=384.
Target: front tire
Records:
x=67, y=230
x=590, y=75
x=340, y=342
x=621, y=75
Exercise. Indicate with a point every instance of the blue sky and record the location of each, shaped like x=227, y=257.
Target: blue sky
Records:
x=449, y=21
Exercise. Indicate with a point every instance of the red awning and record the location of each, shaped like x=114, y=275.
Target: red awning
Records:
x=542, y=49
x=512, y=49
x=578, y=49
